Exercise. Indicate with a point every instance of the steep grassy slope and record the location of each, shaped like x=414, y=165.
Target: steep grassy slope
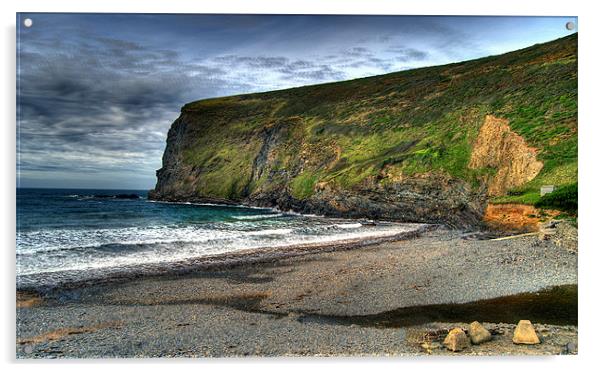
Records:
x=392, y=146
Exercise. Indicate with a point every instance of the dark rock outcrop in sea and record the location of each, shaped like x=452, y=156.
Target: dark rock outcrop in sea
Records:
x=117, y=196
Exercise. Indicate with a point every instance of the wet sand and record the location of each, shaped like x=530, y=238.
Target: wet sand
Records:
x=379, y=299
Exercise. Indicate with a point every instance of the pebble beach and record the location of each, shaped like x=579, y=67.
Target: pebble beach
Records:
x=386, y=298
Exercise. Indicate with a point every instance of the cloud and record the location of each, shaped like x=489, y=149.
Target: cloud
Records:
x=104, y=105
x=404, y=54
x=265, y=72
x=253, y=62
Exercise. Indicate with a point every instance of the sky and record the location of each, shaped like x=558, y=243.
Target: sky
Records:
x=97, y=93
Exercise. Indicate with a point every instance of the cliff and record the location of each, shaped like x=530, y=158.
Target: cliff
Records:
x=433, y=144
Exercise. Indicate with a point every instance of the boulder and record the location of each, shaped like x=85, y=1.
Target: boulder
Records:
x=571, y=348
x=456, y=340
x=478, y=334
x=524, y=333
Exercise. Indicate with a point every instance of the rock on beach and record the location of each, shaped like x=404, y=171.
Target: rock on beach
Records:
x=456, y=340
x=478, y=334
x=524, y=333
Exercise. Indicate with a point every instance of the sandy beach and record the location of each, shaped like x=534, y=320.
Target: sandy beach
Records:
x=383, y=298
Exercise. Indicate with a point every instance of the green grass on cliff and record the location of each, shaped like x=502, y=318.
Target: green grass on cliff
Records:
x=564, y=199
x=387, y=127
x=303, y=185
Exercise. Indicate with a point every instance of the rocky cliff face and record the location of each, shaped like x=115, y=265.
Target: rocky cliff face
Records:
x=498, y=147
x=429, y=197
x=427, y=145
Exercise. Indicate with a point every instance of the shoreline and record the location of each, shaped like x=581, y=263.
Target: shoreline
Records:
x=377, y=299
x=217, y=261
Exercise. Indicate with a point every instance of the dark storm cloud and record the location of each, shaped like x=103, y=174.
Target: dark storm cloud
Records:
x=104, y=104
x=97, y=93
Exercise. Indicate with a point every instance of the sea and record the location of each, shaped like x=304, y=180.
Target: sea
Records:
x=74, y=235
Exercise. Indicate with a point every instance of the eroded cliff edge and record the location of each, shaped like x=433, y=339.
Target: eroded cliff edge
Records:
x=426, y=145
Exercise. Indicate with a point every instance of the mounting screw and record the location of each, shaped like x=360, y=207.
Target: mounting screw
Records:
x=570, y=26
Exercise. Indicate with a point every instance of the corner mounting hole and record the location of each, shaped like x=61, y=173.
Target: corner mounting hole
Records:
x=28, y=22
x=570, y=26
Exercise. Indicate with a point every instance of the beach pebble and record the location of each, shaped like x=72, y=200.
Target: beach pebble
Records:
x=571, y=348
x=430, y=346
x=478, y=334
x=456, y=340
x=524, y=333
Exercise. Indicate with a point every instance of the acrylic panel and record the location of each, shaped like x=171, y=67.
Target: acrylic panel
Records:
x=199, y=185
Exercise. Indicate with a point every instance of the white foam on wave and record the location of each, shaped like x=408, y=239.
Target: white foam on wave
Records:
x=48, y=251
x=255, y=217
x=349, y=225
x=270, y=232
x=213, y=205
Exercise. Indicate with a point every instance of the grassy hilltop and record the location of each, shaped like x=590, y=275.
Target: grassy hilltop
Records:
x=379, y=131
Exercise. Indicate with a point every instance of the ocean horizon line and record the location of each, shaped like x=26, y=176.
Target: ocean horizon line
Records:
x=79, y=188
